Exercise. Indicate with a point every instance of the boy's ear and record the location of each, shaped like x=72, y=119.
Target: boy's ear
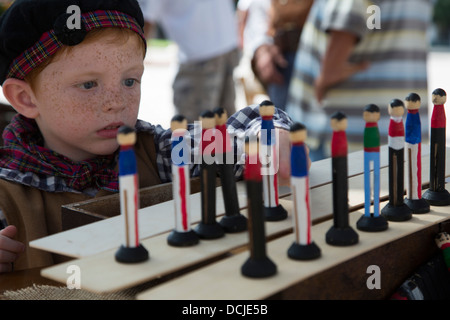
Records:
x=21, y=97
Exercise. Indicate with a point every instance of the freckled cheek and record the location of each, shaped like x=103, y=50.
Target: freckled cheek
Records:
x=132, y=101
x=81, y=105
x=78, y=116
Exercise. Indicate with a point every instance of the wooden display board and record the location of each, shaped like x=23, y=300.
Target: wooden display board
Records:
x=95, y=246
x=106, y=234
x=229, y=284
x=100, y=272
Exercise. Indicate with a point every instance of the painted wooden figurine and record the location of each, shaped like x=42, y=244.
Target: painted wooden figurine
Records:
x=208, y=228
x=303, y=248
x=273, y=210
x=233, y=220
x=413, y=144
x=437, y=194
x=396, y=209
x=182, y=235
x=371, y=221
x=132, y=250
x=258, y=265
x=340, y=233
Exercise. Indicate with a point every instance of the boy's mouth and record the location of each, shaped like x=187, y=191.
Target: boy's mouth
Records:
x=111, y=127
x=110, y=131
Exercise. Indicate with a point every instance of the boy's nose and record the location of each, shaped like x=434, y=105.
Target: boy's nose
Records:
x=114, y=101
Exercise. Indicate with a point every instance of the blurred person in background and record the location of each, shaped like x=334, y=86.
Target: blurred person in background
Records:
x=208, y=51
x=353, y=53
x=271, y=32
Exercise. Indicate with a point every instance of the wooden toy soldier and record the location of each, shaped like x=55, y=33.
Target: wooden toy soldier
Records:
x=371, y=221
x=437, y=194
x=396, y=209
x=442, y=240
x=258, y=265
x=340, y=234
x=208, y=228
x=182, y=235
x=413, y=144
x=303, y=248
x=233, y=220
x=132, y=251
x=269, y=156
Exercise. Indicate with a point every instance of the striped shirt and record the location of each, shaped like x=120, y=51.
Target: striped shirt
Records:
x=396, y=52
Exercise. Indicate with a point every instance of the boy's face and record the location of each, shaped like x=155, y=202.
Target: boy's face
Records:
x=86, y=94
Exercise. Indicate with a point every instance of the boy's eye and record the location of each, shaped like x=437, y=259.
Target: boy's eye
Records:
x=129, y=82
x=88, y=85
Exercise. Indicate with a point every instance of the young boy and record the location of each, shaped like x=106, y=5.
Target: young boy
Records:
x=74, y=80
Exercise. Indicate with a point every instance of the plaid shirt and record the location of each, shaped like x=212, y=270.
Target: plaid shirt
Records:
x=246, y=122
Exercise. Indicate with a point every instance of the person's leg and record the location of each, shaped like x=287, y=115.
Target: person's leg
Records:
x=228, y=93
x=198, y=87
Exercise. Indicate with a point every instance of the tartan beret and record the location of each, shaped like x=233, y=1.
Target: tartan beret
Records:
x=33, y=30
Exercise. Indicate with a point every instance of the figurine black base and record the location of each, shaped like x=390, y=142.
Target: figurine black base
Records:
x=131, y=255
x=341, y=236
x=182, y=239
x=437, y=198
x=235, y=223
x=258, y=268
x=275, y=213
x=303, y=252
x=396, y=213
x=371, y=223
x=209, y=231
x=418, y=205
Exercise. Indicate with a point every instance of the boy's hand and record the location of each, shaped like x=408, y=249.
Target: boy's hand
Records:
x=266, y=61
x=9, y=248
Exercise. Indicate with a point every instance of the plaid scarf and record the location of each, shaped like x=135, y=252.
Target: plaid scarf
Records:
x=23, y=151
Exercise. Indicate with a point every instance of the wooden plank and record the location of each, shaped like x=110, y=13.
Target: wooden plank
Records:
x=104, y=235
x=101, y=273
x=168, y=259
x=108, y=234
x=229, y=284
x=77, y=214
x=397, y=261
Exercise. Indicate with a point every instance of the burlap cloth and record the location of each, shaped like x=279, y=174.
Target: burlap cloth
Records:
x=46, y=292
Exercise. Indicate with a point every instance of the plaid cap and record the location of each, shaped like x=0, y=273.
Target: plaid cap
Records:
x=33, y=30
